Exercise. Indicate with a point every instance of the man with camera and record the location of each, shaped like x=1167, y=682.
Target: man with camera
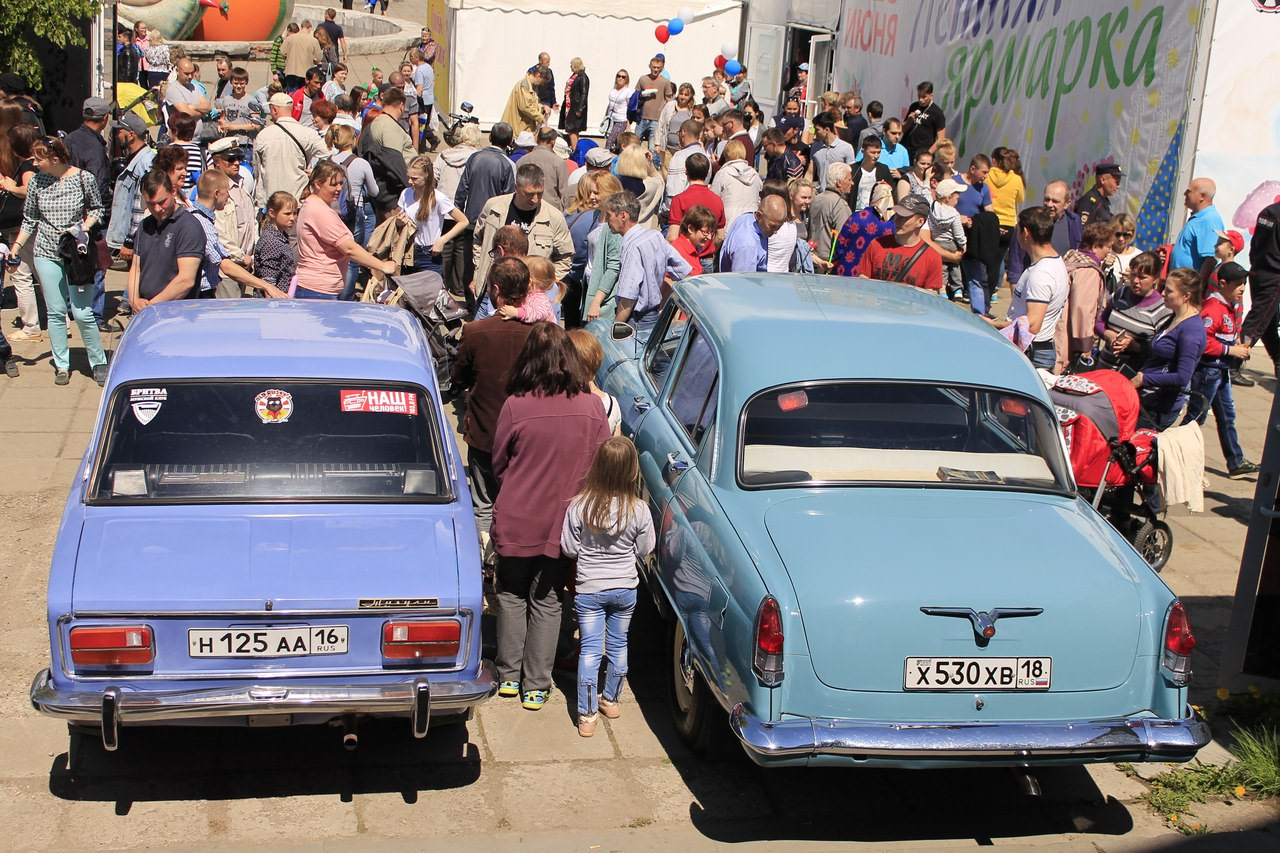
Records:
x=925, y=126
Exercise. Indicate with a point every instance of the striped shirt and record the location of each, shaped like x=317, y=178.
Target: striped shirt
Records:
x=55, y=205
x=195, y=162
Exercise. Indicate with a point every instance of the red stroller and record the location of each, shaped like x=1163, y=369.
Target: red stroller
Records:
x=1113, y=459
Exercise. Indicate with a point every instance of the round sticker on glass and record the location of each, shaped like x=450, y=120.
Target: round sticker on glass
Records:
x=273, y=406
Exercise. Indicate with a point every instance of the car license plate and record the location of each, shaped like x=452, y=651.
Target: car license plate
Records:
x=267, y=642
x=977, y=674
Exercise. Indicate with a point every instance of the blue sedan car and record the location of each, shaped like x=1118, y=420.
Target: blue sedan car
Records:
x=870, y=544
x=270, y=526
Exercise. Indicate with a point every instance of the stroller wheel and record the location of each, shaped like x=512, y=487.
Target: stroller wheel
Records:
x=1154, y=541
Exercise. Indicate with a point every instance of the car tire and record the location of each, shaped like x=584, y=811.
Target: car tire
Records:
x=701, y=722
x=1154, y=541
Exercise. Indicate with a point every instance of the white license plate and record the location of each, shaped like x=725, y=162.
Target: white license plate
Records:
x=267, y=642
x=977, y=674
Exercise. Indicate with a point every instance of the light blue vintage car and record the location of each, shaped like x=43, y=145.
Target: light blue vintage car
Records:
x=270, y=526
x=870, y=544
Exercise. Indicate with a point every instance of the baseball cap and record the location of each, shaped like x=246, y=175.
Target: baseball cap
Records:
x=1107, y=169
x=1231, y=271
x=12, y=83
x=227, y=147
x=599, y=158
x=913, y=205
x=524, y=139
x=786, y=123
x=1235, y=238
x=131, y=121
x=280, y=99
x=98, y=107
x=948, y=187
x=561, y=148
x=803, y=66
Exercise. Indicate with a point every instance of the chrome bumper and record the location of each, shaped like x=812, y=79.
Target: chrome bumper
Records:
x=1153, y=739
x=112, y=706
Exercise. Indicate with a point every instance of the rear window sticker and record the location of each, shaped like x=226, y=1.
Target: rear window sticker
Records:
x=273, y=406
x=375, y=400
x=146, y=403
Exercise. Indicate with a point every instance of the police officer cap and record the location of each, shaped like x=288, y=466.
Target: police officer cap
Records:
x=1107, y=169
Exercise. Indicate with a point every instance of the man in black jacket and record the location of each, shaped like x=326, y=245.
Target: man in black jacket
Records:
x=88, y=150
x=488, y=173
x=867, y=173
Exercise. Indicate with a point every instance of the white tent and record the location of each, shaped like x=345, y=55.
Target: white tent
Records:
x=493, y=43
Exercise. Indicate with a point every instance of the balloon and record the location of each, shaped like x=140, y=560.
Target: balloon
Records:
x=733, y=68
x=666, y=73
x=685, y=14
x=661, y=33
x=675, y=26
x=720, y=62
x=729, y=50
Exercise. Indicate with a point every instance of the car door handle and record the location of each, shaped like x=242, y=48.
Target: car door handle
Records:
x=677, y=465
x=641, y=404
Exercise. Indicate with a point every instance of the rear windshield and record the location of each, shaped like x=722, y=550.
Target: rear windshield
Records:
x=277, y=440
x=900, y=433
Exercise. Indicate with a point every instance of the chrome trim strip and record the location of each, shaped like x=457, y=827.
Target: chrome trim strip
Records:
x=1157, y=739
x=133, y=706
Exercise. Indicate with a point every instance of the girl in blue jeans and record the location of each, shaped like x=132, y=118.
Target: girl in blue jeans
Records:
x=608, y=528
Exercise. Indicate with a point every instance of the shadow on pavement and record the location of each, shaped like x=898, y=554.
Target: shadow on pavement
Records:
x=198, y=763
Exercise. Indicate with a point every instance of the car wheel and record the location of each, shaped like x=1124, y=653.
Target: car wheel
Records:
x=1154, y=541
x=694, y=708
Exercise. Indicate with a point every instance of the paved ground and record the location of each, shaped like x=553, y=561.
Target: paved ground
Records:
x=515, y=777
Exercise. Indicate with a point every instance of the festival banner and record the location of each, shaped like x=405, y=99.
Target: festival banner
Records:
x=1068, y=85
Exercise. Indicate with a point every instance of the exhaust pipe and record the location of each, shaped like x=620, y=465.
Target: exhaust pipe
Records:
x=350, y=740
x=1028, y=784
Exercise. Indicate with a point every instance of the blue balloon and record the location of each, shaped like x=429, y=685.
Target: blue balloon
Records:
x=666, y=73
x=733, y=68
x=675, y=26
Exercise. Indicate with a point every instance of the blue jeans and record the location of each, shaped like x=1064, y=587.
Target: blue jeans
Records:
x=1215, y=384
x=485, y=308
x=1045, y=356
x=99, y=295
x=975, y=284
x=603, y=621
x=423, y=261
x=303, y=293
x=366, y=220
x=60, y=297
x=647, y=128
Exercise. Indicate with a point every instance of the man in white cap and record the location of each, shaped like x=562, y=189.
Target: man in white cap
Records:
x=236, y=222
x=597, y=160
x=523, y=144
x=282, y=152
x=554, y=169
x=800, y=90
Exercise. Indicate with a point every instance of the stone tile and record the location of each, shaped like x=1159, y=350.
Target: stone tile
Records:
x=30, y=744
x=30, y=807
x=513, y=734
x=266, y=820
x=44, y=396
x=33, y=445
x=1115, y=783
x=23, y=476
x=74, y=445
x=442, y=811
x=110, y=821
x=647, y=732
x=582, y=795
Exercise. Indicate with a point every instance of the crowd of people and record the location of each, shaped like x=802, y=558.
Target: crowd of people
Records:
x=309, y=188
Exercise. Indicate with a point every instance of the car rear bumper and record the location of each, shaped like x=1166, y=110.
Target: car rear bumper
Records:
x=113, y=706
x=1014, y=742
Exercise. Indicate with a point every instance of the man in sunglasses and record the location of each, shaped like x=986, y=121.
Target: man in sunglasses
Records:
x=1095, y=205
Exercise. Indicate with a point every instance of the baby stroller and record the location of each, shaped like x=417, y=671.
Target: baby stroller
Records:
x=1114, y=461
x=423, y=294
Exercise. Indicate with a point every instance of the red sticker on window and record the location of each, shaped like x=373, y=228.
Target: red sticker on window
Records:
x=392, y=402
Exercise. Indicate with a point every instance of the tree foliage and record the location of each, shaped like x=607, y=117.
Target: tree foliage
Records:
x=57, y=21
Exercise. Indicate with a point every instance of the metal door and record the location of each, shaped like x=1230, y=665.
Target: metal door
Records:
x=822, y=54
x=766, y=64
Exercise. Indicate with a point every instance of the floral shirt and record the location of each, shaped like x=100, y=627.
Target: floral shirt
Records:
x=55, y=205
x=858, y=232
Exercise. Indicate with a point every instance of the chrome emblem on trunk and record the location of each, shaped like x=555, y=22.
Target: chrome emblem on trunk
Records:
x=984, y=624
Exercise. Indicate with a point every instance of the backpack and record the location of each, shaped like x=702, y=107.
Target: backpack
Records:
x=633, y=107
x=345, y=205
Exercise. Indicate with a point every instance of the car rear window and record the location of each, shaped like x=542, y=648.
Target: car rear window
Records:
x=899, y=433
x=275, y=440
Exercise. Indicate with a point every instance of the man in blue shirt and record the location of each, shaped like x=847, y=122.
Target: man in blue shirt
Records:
x=647, y=260
x=893, y=154
x=746, y=246
x=1198, y=237
x=424, y=81
x=975, y=199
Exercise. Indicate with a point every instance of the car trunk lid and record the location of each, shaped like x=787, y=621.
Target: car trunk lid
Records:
x=863, y=562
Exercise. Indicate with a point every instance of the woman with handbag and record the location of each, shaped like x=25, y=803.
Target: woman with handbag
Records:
x=16, y=171
x=63, y=200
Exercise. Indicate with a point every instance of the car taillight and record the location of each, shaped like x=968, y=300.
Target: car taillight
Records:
x=1178, y=644
x=112, y=646
x=421, y=640
x=767, y=662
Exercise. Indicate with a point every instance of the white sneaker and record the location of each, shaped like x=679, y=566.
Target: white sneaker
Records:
x=24, y=335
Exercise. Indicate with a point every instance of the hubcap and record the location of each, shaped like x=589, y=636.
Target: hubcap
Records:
x=682, y=665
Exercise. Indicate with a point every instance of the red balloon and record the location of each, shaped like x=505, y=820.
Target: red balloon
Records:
x=662, y=33
x=720, y=61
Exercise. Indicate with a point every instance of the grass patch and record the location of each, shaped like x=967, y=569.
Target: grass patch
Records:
x=1175, y=791
x=1258, y=752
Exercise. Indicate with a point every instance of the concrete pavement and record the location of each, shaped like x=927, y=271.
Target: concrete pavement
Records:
x=514, y=778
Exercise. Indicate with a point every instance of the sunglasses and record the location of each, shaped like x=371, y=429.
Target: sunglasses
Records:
x=1124, y=233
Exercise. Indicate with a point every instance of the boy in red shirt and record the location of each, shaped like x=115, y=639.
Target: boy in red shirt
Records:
x=1221, y=315
x=694, y=242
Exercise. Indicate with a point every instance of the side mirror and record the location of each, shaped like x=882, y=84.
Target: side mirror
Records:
x=622, y=331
